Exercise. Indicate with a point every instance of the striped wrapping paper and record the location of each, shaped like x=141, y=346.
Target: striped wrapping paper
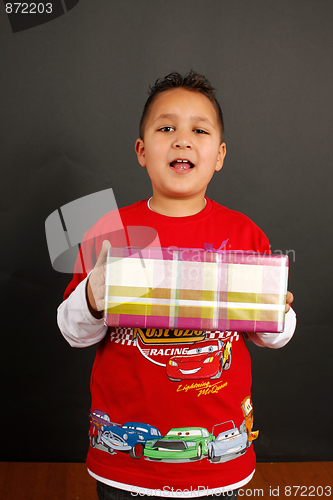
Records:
x=195, y=289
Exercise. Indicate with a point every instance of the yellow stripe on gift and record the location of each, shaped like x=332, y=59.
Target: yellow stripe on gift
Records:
x=256, y=298
x=128, y=308
x=196, y=312
x=148, y=301
x=140, y=309
x=199, y=296
x=244, y=314
x=251, y=298
x=132, y=308
x=126, y=291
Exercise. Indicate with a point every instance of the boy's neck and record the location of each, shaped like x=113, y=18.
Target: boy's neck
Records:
x=176, y=207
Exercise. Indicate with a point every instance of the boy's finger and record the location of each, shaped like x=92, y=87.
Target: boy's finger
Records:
x=290, y=298
x=103, y=253
x=98, y=294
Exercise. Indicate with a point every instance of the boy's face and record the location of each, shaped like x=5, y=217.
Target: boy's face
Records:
x=181, y=146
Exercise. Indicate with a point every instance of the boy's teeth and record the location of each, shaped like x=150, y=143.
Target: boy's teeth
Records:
x=181, y=164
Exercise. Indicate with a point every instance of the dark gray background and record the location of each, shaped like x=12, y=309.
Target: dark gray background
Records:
x=72, y=91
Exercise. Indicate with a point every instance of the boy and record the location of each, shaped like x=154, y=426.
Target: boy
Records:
x=151, y=434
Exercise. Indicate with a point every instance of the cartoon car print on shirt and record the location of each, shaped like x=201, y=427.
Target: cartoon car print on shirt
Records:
x=203, y=360
x=230, y=443
x=98, y=419
x=247, y=424
x=181, y=444
x=130, y=438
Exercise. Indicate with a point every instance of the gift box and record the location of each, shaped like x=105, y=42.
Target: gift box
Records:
x=195, y=289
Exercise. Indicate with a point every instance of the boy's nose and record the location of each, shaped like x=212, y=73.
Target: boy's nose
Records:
x=182, y=141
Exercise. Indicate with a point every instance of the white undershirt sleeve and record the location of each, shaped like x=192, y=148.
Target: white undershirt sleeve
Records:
x=76, y=323
x=276, y=340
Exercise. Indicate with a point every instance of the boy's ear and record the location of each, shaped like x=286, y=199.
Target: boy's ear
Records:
x=221, y=156
x=140, y=152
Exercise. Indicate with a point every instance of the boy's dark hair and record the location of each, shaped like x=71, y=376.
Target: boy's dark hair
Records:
x=191, y=81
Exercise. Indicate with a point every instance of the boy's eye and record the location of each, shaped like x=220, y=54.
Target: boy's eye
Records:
x=166, y=129
x=200, y=131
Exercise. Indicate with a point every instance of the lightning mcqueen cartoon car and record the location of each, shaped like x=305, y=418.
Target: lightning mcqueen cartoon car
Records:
x=203, y=360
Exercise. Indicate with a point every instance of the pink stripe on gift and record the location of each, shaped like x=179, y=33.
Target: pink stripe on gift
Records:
x=161, y=321
x=250, y=326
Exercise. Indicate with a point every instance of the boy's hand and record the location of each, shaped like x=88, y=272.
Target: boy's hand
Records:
x=96, y=284
x=289, y=300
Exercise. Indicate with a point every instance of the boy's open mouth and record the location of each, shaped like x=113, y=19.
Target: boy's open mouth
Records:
x=181, y=164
